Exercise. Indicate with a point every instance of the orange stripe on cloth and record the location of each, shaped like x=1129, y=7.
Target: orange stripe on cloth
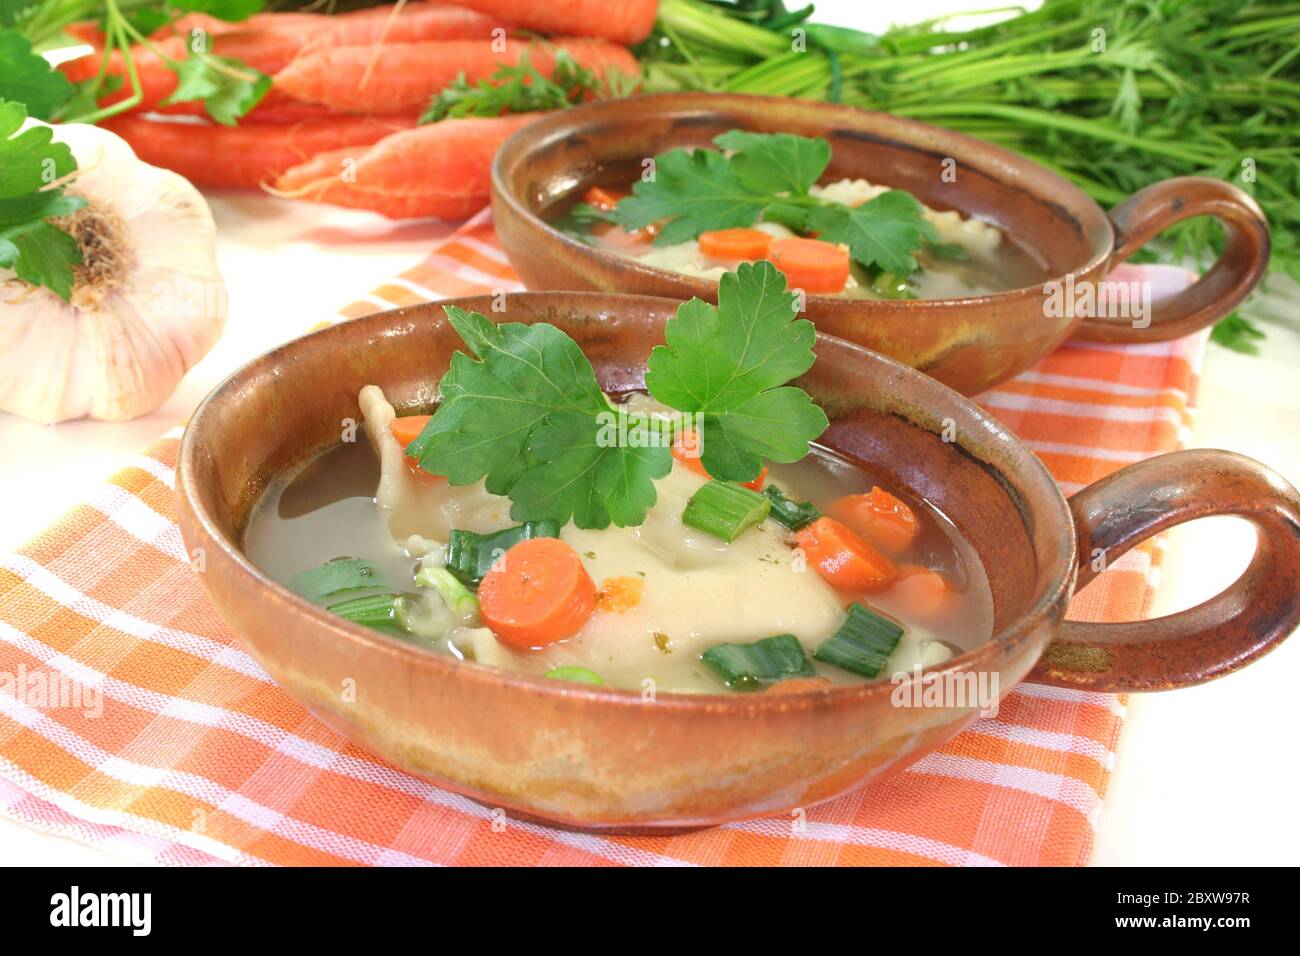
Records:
x=179, y=748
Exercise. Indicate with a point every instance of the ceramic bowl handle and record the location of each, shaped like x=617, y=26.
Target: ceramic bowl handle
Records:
x=1224, y=633
x=1151, y=211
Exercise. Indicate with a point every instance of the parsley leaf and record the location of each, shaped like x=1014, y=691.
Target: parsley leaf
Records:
x=768, y=176
x=695, y=190
x=524, y=416
x=28, y=78
x=227, y=88
x=731, y=364
x=527, y=415
x=883, y=232
x=516, y=88
x=30, y=161
x=41, y=254
x=775, y=163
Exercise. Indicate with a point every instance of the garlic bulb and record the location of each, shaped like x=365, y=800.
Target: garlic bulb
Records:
x=147, y=300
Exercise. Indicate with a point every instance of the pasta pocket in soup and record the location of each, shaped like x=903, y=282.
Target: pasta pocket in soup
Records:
x=689, y=537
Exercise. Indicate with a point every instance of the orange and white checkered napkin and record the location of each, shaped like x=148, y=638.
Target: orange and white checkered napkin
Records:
x=131, y=719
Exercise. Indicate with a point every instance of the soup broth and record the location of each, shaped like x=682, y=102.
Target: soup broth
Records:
x=667, y=593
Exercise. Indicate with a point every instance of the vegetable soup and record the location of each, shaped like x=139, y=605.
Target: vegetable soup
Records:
x=672, y=604
x=761, y=197
x=688, y=537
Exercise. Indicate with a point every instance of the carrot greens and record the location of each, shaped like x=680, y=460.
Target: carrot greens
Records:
x=517, y=88
x=526, y=413
x=227, y=88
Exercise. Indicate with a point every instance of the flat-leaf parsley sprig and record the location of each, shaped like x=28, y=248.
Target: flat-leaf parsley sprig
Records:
x=526, y=414
x=769, y=176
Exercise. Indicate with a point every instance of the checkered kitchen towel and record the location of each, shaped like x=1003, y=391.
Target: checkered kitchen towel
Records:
x=197, y=757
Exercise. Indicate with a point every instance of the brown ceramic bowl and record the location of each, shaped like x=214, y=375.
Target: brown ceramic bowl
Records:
x=970, y=343
x=598, y=757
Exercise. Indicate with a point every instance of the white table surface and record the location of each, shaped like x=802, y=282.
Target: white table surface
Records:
x=1203, y=776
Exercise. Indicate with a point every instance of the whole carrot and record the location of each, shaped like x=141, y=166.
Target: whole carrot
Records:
x=262, y=50
x=210, y=155
x=275, y=107
x=628, y=21
x=441, y=170
x=416, y=20
x=403, y=76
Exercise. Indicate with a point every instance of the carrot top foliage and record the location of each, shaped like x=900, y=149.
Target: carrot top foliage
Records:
x=227, y=88
x=520, y=88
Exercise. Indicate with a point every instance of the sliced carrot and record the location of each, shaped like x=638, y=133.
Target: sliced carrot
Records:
x=619, y=238
x=843, y=557
x=925, y=592
x=406, y=430
x=810, y=264
x=537, y=594
x=798, y=685
x=686, y=449
x=619, y=594
x=603, y=198
x=887, y=522
x=735, y=243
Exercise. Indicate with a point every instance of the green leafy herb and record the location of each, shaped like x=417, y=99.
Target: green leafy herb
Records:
x=752, y=666
x=27, y=77
x=516, y=88
x=730, y=364
x=862, y=644
x=694, y=190
x=885, y=231
x=227, y=88
x=31, y=164
x=769, y=176
x=1238, y=333
x=527, y=414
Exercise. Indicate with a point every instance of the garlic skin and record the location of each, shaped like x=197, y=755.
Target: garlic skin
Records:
x=147, y=303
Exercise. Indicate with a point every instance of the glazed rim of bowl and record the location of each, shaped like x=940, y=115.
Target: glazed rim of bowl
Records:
x=1053, y=519
x=999, y=164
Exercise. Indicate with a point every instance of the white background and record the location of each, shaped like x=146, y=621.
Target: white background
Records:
x=1206, y=775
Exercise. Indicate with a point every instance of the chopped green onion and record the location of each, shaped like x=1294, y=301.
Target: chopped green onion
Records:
x=948, y=251
x=579, y=675
x=454, y=594
x=724, y=509
x=751, y=666
x=470, y=556
x=373, y=610
x=788, y=512
x=337, y=577
x=862, y=644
